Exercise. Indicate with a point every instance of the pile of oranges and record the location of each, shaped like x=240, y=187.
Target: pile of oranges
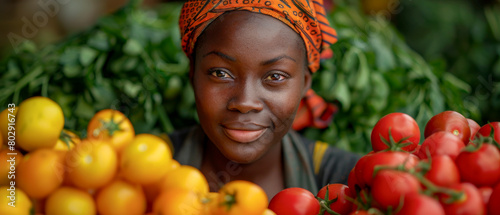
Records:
x=111, y=170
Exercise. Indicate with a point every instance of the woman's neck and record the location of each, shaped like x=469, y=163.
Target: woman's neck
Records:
x=267, y=171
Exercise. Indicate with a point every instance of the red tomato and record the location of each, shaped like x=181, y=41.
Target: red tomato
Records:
x=493, y=206
x=441, y=143
x=389, y=186
x=401, y=126
x=339, y=192
x=474, y=127
x=294, y=201
x=419, y=204
x=450, y=121
x=443, y=171
x=485, y=193
x=352, y=182
x=481, y=167
x=365, y=166
x=360, y=213
x=486, y=130
x=471, y=203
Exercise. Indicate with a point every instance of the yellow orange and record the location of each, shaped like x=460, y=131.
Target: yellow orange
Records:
x=186, y=177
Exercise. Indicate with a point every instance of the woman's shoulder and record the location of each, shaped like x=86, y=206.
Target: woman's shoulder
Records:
x=331, y=164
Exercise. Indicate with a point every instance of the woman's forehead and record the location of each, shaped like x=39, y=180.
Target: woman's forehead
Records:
x=254, y=27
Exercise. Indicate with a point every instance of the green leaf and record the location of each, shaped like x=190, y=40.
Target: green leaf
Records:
x=132, y=47
x=87, y=55
x=383, y=54
x=341, y=92
x=72, y=71
x=99, y=41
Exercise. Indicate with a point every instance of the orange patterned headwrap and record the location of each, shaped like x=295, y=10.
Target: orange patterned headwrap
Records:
x=306, y=17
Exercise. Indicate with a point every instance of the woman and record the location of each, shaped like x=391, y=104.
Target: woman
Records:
x=251, y=67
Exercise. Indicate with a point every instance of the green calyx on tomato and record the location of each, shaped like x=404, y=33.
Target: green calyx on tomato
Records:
x=325, y=203
x=111, y=126
x=395, y=145
x=229, y=200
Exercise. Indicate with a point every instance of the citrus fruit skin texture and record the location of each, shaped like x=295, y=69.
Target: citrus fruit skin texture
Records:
x=145, y=160
x=70, y=201
x=40, y=173
x=91, y=164
x=39, y=122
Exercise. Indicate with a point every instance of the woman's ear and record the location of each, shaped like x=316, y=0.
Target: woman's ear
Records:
x=307, y=82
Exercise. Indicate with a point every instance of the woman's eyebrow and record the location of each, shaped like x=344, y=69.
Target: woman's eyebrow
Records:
x=277, y=59
x=220, y=54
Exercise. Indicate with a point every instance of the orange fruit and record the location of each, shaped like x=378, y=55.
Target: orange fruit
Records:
x=4, y=123
x=121, y=197
x=111, y=126
x=144, y=160
x=178, y=201
x=70, y=201
x=67, y=141
x=39, y=122
x=91, y=164
x=9, y=161
x=12, y=196
x=40, y=172
x=185, y=177
x=209, y=202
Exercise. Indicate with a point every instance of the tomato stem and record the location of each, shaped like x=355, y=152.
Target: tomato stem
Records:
x=325, y=202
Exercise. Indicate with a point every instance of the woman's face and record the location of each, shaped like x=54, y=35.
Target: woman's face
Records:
x=249, y=76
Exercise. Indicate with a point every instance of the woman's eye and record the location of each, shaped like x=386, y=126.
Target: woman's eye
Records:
x=275, y=77
x=220, y=74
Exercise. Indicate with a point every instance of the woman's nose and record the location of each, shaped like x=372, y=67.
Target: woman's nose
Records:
x=246, y=99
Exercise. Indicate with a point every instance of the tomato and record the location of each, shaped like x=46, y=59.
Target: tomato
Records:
x=389, y=186
x=352, y=182
x=241, y=197
x=470, y=203
x=420, y=204
x=69, y=200
x=146, y=159
x=22, y=204
x=365, y=166
x=485, y=193
x=178, y=201
x=210, y=203
x=474, y=127
x=40, y=173
x=450, y=121
x=91, y=164
x=485, y=131
x=400, y=126
x=294, y=201
x=493, y=206
x=186, y=177
x=339, y=192
x=360, y=212
x=120, y=197
x=67, y=141
x=480, y=167
x=39, y=122
x=111, y=126
x=441, y=143
x=443, y=171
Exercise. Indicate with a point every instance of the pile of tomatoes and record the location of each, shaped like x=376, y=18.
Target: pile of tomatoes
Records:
x=455, y=170
x=112, y=170
x=50, y=170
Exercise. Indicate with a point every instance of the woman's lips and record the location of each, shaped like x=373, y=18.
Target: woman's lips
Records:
x=244, y=136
